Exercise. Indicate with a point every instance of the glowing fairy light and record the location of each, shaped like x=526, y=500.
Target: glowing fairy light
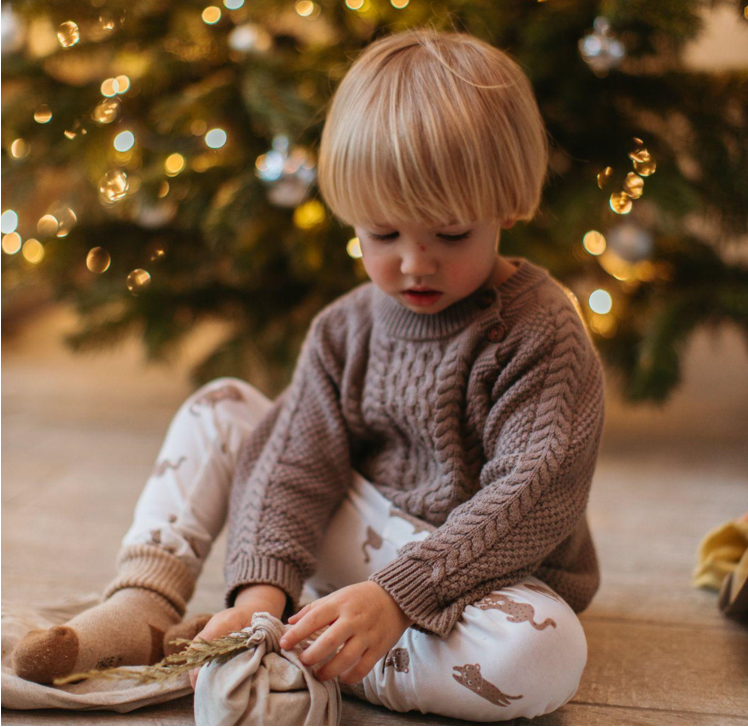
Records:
x=353, y=248
x=215, y=138
x=600, y=301
x=124, y=141
x=594, y=242
x=12, y=243
x=309, y=215
x=9, y=221
x=211, y=15
x=174, y=164
x=33, y=251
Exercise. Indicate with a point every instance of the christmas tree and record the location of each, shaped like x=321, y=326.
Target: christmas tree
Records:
x=159, y=169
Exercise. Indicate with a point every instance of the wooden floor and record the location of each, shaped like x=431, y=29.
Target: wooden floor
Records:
x=80, y=435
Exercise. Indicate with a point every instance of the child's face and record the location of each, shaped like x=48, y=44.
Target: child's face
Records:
x=454, y=260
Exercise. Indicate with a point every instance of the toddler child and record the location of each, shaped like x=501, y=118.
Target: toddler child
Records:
x=424, y=477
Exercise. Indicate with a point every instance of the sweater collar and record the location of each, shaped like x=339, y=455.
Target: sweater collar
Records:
x=401, y=322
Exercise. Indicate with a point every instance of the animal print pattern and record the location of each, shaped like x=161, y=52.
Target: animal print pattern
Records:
x=156, y=540
x=373, y=540
x=160, y=469
x=398, y=659
x=516, y=611
x=419, y=526
x=543, y=591
x=228, y=392
x=469, y=676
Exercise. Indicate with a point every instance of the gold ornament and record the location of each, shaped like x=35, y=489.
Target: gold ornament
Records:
x=68, y=34
x=114, y=185
x=647, y=168
x=42, y=114
x=75, y=130
x=604, y=177
x=138, y=280
x=633, y=185
x=19, y=149
x=47, y=226
x=98, y=260
x=158, y=253
x=639, y=152
x=620, y=203
x=66, y=219
x=106, y=111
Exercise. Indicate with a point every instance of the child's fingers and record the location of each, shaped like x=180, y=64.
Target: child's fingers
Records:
x=321, y=615
x=193, y=678
x=299, y=614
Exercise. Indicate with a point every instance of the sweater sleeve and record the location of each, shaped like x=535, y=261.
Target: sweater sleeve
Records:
x=291, y=474
x=541, y=437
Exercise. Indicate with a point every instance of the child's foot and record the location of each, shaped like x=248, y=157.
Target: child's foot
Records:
x=127, y=629
x=185, y=630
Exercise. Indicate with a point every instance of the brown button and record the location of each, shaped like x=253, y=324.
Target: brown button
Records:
x=485, y=299
x=496, y=333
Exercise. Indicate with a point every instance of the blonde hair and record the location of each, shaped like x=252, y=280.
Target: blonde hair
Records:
x=436, y=127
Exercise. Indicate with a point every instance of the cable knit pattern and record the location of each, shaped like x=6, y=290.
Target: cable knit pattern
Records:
x=483, y=419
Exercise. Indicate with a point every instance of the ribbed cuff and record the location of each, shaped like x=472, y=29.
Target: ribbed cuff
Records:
x=410, y=583
x=148, y=566
x=250, y=569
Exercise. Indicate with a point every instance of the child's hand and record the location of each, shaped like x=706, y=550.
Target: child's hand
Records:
x=367, y=620
x=261, y=597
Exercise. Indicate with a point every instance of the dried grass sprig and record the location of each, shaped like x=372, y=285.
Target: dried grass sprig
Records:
x=201, y=652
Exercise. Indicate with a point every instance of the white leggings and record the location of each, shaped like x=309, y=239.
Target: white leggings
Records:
x=518, y=652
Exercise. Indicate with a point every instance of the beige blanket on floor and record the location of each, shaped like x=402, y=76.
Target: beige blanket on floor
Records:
x=265, y=685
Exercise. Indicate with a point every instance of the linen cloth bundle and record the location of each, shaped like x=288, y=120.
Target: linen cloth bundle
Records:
x=264, y=685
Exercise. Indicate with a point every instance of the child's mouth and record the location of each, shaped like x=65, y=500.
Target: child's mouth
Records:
x=422, y=298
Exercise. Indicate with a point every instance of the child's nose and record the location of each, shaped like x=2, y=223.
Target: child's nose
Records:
x=417, y=264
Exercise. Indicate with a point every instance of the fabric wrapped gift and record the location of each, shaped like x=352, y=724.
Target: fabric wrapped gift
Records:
x=265, y=685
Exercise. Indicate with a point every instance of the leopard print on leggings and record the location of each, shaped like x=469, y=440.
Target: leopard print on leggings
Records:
x=211, y=398
x=398, y=659
x=517, y=612
x=469, y=676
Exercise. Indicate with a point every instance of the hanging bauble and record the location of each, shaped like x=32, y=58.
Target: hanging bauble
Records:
x=250, y=38
x=630, y=242
x=12, y=30
x=288, y=174
x=154, y=215
x=601, y=50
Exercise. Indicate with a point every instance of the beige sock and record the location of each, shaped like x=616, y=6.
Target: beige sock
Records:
x=148, y=596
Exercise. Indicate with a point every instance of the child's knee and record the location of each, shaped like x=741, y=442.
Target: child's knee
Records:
x=531, y=667
x=522, y=657
x=225, y=393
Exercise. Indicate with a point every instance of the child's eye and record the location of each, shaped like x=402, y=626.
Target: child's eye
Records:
x=448, y=238
x=391, y=236
x=455, y=238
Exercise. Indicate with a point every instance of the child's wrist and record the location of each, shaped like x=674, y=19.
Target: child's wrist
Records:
x=274, y=596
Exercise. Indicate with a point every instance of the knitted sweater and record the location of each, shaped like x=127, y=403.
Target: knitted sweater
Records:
x=483, y=419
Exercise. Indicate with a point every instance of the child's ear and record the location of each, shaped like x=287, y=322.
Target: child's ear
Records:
x=506, y=224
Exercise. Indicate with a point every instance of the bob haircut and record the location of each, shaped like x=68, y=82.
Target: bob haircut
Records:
x=437, y=127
